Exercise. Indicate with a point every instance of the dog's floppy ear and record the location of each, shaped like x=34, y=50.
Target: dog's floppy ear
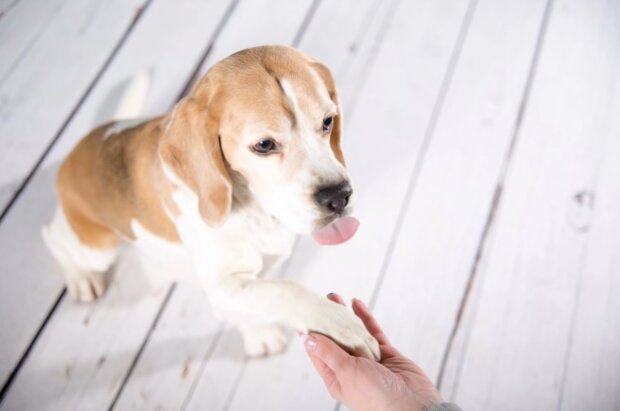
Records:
x=191, y=148
x=335, y=139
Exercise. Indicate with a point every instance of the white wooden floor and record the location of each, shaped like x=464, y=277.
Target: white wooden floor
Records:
x=484, y=140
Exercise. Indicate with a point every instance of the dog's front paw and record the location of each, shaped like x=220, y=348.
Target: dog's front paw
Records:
x=344, y=327
x=86, y=286
x=263, y=340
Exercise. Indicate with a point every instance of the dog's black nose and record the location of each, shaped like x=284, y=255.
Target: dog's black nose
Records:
x=334, y=198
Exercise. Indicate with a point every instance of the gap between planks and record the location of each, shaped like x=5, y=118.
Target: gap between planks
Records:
x=7, y=7
x=496, y=198
x=28, y=350
x=135, y=359
x=374, y=50
x=218, y=30
x=305, y=23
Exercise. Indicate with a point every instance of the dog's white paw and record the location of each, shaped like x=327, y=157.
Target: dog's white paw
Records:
x=263, y=340
x=344, y=327
x=86, y=286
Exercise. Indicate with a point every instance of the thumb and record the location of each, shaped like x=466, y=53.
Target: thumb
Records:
x=330, y=353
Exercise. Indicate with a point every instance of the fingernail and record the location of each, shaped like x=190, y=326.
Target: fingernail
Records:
x=310, y=343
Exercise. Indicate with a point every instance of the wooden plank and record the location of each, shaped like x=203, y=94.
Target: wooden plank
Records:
x=278, y=23
x=20, y=28
x=592, y=376
x=46, y=82
x=31, y=281
x=144, y=390
x=514, y=341
x=78, y=363
x=348, y=49
x=389, y=120
x=170, y=362
x=439, y=235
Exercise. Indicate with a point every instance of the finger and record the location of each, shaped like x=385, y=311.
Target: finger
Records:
x=360, y=309
x=329, y=352
x=327, y=375
x=335, y=298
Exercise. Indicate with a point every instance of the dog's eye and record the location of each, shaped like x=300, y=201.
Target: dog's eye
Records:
x=328, y=122
x=264, y=146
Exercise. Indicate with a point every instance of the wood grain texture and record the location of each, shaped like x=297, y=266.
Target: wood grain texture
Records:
x=519, y=320
x=592, y=373
x=452, y=193
x=20, y=29
x=592, y=370
x=47, y=75
x=31, y=281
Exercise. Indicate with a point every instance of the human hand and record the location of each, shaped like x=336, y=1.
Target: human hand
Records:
x=393, y=384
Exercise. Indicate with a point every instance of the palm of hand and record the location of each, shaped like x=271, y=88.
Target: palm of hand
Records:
x=395, y=383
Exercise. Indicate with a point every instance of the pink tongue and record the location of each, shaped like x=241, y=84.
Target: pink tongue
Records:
x=337, y=231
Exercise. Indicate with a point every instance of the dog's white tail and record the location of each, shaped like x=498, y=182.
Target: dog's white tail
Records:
x=134, y=97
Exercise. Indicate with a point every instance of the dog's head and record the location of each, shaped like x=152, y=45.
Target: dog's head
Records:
x=272, y=115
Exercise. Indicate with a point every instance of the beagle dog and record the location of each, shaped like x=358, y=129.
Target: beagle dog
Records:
x=248, y=160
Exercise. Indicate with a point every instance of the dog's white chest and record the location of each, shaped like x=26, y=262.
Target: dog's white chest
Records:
x=265, y=233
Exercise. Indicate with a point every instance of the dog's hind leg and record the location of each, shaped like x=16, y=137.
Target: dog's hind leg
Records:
x=85, y=250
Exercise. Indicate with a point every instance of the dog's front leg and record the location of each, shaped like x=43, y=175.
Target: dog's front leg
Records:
x=257, y=302
x=230, y=273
